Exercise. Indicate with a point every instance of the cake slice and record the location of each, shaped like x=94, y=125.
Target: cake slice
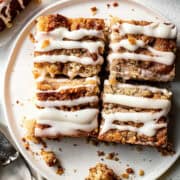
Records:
x=142, y=50
x=8, y=11
x=70, y=47
x=66, y=107
x=135, y=114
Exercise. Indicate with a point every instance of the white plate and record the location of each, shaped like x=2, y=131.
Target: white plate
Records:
x=18, y=85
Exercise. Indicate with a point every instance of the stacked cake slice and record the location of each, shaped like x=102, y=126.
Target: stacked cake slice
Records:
x=71, y=47
x=142, y=50
x=138, y=114
x=67, y=60
x=135, y=114
x=67, y=107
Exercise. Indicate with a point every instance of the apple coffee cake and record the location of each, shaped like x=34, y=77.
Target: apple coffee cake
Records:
x=67, y=107
x=141, y=50
x=135, y=114
x=70, y=47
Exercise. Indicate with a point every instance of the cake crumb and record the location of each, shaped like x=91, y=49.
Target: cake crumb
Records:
x=108, y=5
x=132, y=40
x=45, y=44
x=167, y=151
x=100, y=153
x=49, y=157
x=60, y=170
x=112, y=156
x=26, y=146
x=19, y=103
x=141, y=172
x=130, y=171
x=94, y=10
x=115, y=4
x=32, y=38
x=125, y=175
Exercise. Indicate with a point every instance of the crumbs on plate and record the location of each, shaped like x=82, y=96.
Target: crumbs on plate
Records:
x=94, y=10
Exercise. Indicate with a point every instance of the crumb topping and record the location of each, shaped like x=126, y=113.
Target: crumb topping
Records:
x=115, y=4
x=141, y=172
x=94, y=10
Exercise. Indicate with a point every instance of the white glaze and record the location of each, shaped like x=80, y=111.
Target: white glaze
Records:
x=137, y=117
x=66, y=122
x=93, y=78
x=66, y=58
x=64, y=128
x=166, y=58
x=159, y=30
x=139, y=102
x=69, y=103
x=148, y=129
x=127, y=45
x=91, y=46
x=83, y=116
x=62, y=33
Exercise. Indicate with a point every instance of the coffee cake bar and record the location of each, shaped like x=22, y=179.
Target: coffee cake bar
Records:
x=66, y=107
x=135, y=114
x=70, y=47
x=142, y=50
x=8, y=11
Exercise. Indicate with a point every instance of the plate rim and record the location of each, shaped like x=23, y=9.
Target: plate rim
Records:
x=10, y=61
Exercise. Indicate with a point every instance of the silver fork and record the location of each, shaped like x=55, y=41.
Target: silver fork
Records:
x=9, y=154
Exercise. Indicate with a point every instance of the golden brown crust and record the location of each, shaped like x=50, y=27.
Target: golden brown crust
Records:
x=50, y=22
x=101, y=172
x=87, y=23
x=130, y=137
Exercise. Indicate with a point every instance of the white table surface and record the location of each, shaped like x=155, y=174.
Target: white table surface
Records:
x=168, y=8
